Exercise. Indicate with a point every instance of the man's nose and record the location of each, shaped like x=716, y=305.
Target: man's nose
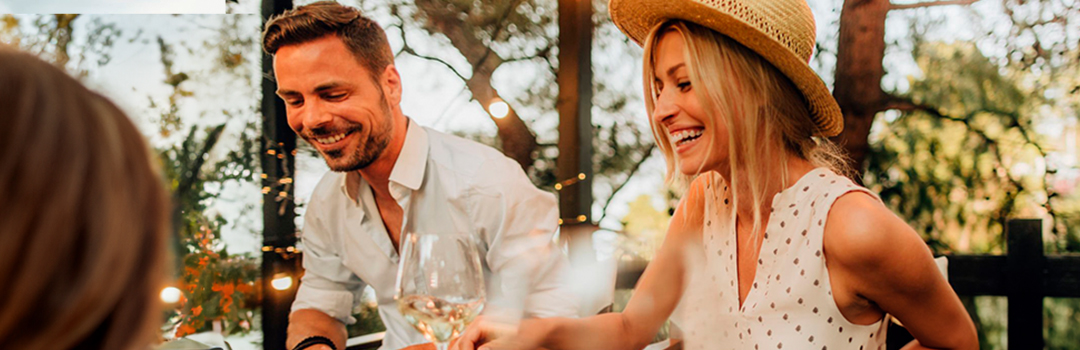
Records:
x=316, y=116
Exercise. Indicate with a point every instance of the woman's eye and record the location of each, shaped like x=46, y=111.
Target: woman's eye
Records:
x=684, y=86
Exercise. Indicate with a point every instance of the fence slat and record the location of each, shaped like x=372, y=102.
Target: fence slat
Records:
x=1063, y=276
x=978, y=274
x=1024, y=273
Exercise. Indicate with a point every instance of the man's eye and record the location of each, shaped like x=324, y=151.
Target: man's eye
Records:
x=295, y=102
x=334, y=96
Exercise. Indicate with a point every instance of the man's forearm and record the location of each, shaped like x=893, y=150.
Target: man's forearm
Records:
x=306, y=323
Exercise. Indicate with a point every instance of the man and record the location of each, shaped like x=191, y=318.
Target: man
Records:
x=336, y=74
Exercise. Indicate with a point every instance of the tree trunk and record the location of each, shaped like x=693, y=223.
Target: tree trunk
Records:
x=518, y=141
x=858, y=75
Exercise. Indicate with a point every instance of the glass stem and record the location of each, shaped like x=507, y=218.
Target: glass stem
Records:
x=442, y=346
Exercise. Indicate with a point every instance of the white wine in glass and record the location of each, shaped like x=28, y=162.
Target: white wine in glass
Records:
x=440, y=284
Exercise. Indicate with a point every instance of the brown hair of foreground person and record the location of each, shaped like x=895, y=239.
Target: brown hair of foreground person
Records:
x=83, y=216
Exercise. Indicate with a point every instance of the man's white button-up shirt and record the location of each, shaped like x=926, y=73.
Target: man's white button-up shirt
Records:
x=444, y=184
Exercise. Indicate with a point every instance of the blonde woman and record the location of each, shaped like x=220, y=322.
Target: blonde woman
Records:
x=83, y=218
x=771, y=247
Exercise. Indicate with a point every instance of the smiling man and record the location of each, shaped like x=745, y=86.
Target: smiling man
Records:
x=336, y=74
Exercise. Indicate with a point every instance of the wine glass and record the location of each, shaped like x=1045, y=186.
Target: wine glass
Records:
x=440, y=284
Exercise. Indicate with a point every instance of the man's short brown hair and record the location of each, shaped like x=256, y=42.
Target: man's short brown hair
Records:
x=364, y=38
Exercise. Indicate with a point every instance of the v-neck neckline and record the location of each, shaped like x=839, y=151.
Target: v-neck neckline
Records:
x=757, y=282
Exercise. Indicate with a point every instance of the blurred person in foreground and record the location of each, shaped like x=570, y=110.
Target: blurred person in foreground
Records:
x=771, y=247
x=83, y=216
x=335, y=72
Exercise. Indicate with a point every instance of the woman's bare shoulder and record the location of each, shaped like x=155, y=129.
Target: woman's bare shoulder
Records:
x=861, y=232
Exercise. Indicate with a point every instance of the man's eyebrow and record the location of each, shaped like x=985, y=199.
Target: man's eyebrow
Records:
x=329, y=86
x=318, y=89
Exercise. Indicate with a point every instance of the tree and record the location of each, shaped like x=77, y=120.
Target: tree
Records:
x=522, y=35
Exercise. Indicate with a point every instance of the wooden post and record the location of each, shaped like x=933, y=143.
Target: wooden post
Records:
x=1024, y=270
x=279, y=230
x=574, y=165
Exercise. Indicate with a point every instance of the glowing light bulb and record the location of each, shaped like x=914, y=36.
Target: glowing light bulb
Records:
x=499, y=109
x=281, y=281
x=170, y=295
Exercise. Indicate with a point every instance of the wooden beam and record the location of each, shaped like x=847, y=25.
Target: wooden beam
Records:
x=574, y=165
x=1063, y=276
x=978, y=274
x=279, y=229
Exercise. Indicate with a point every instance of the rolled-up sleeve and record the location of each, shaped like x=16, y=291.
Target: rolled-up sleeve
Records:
x=518, y=223
x=327, y=285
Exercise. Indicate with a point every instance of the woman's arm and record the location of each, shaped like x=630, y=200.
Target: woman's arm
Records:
x=654, y=299
x=879, y=258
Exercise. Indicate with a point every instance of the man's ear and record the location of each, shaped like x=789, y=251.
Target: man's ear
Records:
x=391, y=84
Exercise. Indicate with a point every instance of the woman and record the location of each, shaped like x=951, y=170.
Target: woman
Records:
x=82, y=230
x=771, y=247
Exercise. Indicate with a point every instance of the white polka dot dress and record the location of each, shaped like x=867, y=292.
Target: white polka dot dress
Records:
x=790, y=305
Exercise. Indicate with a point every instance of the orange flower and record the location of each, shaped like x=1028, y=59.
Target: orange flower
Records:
x=226, y=289
x=225, y=303
x=184, y=330
x=195, y=311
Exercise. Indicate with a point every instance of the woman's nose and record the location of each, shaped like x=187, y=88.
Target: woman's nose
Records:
x=664, y=108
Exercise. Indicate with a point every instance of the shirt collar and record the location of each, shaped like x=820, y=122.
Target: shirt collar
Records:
x=409, y=168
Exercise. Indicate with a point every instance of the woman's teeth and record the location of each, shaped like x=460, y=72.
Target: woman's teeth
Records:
x=685, y=136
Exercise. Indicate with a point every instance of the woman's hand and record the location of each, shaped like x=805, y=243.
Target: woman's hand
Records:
x=485, y=334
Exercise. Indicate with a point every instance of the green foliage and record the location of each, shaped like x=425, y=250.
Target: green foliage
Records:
x=956, y=171
x=644, y=228
x=218, y=286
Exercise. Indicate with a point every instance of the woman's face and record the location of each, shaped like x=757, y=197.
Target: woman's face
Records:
x=679, y=115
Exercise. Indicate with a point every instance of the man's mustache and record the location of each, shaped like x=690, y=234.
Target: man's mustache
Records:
x=330, y=131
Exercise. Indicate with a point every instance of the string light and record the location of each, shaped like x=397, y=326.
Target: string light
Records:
x=285, y=252
x=580, y=177
x=170, y=295
x=498, y=108
x=579, y=219
x=281, y=281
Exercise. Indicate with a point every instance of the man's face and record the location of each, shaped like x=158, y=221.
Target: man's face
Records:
x=333, y=102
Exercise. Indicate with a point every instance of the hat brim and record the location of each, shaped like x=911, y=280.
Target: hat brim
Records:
x=636, y=18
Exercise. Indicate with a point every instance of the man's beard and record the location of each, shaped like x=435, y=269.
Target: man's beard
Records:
x=363, y=154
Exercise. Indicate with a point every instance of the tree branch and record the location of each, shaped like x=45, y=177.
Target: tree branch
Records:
x=931, y=4
x=405, y=48
x=906, y=105
x=637, y=165
x=498, y=30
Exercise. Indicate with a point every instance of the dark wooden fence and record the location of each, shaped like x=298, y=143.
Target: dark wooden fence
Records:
x=1025, y=276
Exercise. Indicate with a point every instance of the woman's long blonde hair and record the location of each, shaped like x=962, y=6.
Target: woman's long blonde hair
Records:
x=83, y=216
x=765, y=115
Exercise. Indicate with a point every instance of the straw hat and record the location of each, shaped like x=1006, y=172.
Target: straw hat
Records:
x=781, y=31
